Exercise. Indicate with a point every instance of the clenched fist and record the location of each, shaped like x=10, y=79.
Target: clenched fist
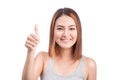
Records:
x=33, y=39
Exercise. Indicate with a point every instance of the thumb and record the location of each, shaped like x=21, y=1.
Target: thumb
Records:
x=36, y=29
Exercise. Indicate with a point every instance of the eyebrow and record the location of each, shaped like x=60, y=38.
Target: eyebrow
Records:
x=72, y=26
x=63, y=26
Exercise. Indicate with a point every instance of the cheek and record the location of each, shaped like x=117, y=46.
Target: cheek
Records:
x=57, y=35
x=74, y=34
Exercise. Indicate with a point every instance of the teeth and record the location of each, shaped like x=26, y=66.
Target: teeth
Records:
x=66, y=40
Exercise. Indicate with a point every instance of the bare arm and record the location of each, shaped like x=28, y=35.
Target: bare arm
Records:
x=32, y=69
x=91, y=69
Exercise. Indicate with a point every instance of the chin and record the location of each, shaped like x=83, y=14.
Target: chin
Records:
x=66, y=46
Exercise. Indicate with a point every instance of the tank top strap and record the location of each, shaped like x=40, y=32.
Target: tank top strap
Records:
x=82, y=61
x=50, y=66
x=80, y=69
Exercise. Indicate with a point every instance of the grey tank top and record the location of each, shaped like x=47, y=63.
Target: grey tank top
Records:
x=50, y=73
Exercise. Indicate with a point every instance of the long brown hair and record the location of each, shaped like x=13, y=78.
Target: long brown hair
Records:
x=77, y=48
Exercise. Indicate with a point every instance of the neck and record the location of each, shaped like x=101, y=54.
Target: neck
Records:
x=65, y=54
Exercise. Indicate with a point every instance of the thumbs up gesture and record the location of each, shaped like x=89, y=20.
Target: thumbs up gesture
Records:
x=33, y=39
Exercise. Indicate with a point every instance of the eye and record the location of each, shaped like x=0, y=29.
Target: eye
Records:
x=72, y=28
x=59, y=28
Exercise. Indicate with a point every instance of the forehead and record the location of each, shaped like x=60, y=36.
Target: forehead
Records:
x=65, y=20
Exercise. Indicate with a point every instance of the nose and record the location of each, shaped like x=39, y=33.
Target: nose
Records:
x=66, y=33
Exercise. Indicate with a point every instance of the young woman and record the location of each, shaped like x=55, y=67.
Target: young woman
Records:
x=64, y=59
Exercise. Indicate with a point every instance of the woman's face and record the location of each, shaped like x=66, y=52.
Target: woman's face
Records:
x=65, y=32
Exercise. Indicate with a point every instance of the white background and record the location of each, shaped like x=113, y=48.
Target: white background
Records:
x=100, y=27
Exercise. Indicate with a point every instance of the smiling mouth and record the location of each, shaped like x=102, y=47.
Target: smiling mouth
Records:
x=65, y=40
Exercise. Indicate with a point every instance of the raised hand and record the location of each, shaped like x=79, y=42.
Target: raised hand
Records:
x=33, y=39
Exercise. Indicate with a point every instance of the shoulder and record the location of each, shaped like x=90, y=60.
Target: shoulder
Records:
x=39, y=62
x=42, y=55
x=45, y=59
x=90, y=68
x=90, y=62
